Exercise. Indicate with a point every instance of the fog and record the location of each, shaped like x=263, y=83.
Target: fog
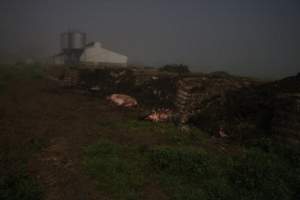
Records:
x=257, y=38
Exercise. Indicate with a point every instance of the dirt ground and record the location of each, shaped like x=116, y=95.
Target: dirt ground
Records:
x=64, y=122
x=60, y=123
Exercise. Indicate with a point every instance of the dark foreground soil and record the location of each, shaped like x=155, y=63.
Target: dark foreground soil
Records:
x=63, y=123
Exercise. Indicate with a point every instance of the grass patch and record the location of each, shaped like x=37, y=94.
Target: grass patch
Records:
x=164, y=132
x=255, y=174
x=19, y=185
x=117, y=169
x=189, y=172
x=10, y=73
x=15, y=182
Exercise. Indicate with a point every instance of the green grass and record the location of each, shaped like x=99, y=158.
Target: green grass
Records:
x=164, y=132
x=15, y=182
x=191, y=173
x=118, y=169
x=261, y=170
x=254, y=174
x=10, y=73
x=19, y=186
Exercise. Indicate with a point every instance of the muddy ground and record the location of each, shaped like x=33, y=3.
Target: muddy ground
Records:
x=60, y=123
x=63, y=122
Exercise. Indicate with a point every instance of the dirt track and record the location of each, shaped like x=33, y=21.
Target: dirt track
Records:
x=64, y=122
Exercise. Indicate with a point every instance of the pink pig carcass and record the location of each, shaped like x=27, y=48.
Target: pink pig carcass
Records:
x=122, y=100
x=222, y=133
x=162, y=115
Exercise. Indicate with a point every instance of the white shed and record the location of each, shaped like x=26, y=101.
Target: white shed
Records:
x=94, y=53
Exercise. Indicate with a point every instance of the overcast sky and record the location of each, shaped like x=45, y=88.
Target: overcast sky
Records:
x=247, y=37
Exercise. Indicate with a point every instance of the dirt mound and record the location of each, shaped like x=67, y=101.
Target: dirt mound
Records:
x=286, y=85
x=150, y=89
x=270, y=108
x=195, y=95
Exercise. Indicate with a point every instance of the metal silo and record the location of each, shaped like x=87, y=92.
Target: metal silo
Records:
x=72, y=44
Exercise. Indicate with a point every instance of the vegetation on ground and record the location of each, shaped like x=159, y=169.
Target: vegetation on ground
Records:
x=15, y=181
x=13, y=72
x=262, y=169
x=132, y=154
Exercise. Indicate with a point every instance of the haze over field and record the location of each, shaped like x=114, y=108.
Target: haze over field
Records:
x=252, y=37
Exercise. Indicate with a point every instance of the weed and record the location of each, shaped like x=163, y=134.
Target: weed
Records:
x=118, y=170
x=200, y=175
x=19, y=186
x=259, y=175
x=15, y=182
x=189, y=172
x=166, y=132
x=11, y=72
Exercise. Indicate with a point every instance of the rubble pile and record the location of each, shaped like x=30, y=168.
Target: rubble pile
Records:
x=270, y=108
x=108, y=81
x=63, y=75
x=218, y=103
x=70, y=78
x=158, y=90
x=286, y=120
x=197, y=94
x=153, y=89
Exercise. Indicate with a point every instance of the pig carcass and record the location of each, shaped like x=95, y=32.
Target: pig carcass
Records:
x=161, y=115
x=123, y=100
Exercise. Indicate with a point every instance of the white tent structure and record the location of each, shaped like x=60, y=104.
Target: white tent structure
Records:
x=95, y=54
x=92, y=53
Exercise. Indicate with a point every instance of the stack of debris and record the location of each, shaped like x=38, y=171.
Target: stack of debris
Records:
x=217, y=102
x=63, y=75
x=270, y=108
x=152, y=89
x=70, y=78
x=197, y=94
x=156, y=90
x=286, y=120
x=107, y=80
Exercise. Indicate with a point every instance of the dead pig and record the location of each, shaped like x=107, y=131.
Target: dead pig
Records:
x=222, y=133
x=123, y=100
x=161, y=115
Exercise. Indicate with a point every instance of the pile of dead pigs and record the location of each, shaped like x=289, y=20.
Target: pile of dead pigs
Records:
x=217, y=103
